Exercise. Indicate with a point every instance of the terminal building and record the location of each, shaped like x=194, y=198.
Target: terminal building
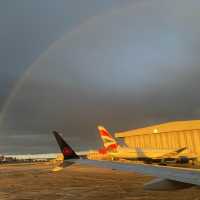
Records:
x=168, y=135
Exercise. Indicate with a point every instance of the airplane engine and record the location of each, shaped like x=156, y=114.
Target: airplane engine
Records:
x=183, y=160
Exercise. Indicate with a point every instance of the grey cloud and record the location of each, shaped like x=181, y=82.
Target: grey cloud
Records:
x=29, y=27
x=130, y=67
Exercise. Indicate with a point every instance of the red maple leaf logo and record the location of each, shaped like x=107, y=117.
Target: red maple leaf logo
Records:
x=67, y=151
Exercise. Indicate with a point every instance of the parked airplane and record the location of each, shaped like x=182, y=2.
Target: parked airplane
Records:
x=146, y=154
x=170, y=178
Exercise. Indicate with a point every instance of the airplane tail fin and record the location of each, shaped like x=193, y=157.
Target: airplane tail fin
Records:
x=66, y=150
x=108, y=141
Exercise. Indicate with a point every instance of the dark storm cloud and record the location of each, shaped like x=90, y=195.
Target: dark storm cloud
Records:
x=29, y=27
x=125, y=68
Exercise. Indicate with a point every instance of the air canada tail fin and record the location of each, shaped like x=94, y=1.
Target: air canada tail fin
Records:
x=108, y=141
x=66, y=150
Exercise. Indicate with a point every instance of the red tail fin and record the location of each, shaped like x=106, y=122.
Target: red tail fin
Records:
x=108, y=141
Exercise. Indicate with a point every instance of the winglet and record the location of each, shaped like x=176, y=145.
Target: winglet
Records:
x=181, y=149
x=66, y=150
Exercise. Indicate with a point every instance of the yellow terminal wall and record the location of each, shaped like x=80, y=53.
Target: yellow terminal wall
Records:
x=168, y=135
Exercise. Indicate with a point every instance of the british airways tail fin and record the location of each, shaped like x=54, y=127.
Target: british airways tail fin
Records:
x=108, y=141
x=66, y=150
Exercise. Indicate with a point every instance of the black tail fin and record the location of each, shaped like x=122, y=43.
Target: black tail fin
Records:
x=66, y=150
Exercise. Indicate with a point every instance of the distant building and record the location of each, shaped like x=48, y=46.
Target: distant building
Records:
x=1, y=158
x=98, y=155
x=168, y=135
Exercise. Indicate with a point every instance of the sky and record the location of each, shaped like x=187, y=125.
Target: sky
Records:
x=73, y=65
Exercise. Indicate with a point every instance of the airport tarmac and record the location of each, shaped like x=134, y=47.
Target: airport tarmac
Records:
x=36, y=181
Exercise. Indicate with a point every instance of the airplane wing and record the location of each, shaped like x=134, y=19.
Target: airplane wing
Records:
x=174, y=153
x=181, y=177
x=169, y=177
